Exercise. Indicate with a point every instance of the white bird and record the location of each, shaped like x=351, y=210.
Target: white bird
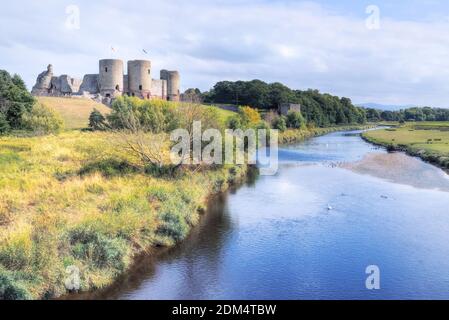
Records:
x=329, y=207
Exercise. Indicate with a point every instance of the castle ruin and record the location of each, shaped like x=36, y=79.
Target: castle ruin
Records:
x=111, y=82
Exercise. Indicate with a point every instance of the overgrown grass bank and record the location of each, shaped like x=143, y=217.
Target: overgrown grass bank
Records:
x=77, y=200
x=427, y=140
x=298, y=135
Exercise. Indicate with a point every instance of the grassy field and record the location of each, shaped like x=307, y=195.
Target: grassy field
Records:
x=429, y=140
x=222, y=114
x=78, y=199
x=75, y=111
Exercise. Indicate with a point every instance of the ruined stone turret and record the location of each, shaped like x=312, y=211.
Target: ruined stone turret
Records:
x=43, y=82
x=111, y=77
x=172, y=78
x=139, y=78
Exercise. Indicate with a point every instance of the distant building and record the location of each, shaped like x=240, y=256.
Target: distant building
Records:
x=111, y=82
x=284, y=108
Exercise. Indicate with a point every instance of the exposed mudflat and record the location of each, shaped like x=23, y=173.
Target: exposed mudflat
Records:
x=397, y=167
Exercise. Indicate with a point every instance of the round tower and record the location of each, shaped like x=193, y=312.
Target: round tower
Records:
x=173, y=84
x=139, y=78
x=111, y=77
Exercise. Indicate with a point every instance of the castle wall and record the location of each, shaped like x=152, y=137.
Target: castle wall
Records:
x=68, y=85
x=126, y=84
x=159, y=89
x=111, y=77
x=89, y=84
x=139, y=78
x=284, y=108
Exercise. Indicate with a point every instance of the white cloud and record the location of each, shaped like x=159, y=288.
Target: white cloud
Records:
x=301, y=44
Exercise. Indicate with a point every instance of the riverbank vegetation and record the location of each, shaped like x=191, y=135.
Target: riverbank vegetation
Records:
x=427, y=140
x=297, y=135
x=79, y=199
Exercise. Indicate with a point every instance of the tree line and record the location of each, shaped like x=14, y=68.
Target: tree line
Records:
x=319, y=109
x=410, y=114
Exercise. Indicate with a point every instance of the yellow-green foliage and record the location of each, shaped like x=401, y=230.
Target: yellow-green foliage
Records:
x=250, y=116
x=78, y=199
x=43, y=120
x=429, y=140
x=148, y=115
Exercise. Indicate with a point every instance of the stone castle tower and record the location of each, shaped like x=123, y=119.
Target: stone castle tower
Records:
x=111, y=82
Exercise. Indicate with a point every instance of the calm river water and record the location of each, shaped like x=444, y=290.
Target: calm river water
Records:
x=275, y=238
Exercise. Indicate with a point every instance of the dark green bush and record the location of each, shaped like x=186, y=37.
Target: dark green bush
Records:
x=11, y=289
x=4, y=125
x=160, y=171
x=97, y=121
x=280, y=124
x=295, y=120
x=234, y=122
x=108, y=168
x=173, y=225
x=104, y=252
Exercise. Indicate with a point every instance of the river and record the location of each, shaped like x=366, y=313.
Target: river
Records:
x=275, y=237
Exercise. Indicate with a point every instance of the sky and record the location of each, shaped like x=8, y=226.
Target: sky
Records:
x=389, y=52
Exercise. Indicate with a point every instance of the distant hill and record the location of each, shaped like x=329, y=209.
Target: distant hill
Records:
x=74, y=111
x=379, y=106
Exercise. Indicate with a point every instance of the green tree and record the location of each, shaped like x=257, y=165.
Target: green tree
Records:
x=234, y=122
x=192, y=95
x=321, y=109
x=295, y=120
x=279, y=93
x=97, y=121
x=4, y=125
x=15, y=100
x=280, y=124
